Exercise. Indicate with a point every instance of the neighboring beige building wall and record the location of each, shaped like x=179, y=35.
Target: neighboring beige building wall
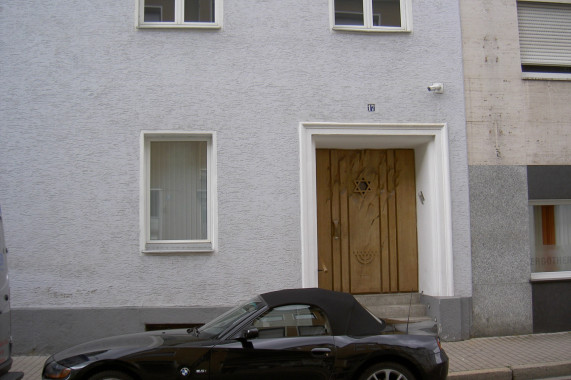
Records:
x=510, y=121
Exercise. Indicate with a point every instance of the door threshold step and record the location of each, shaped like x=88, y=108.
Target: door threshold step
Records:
x=388, y=299
x=401, y=320
x=388, y=311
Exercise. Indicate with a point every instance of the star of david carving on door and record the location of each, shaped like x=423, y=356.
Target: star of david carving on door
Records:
x=362, y=186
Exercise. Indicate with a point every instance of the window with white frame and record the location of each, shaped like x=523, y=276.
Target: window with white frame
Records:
x=371, y=15
x=179, y=13
x=550, y=224
x=545, y=37
x=178, y=195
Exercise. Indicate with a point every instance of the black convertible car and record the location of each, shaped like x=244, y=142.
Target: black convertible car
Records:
x=288, y=334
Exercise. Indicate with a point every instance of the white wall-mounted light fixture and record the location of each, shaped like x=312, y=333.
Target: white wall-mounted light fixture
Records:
x=437, y=88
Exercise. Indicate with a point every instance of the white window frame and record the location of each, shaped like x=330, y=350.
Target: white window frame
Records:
x=149, y=246
x=179, y=18
x=531, y=75
x=548, y=276
x=405, y=14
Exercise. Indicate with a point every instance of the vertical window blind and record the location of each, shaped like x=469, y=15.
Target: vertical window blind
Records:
x=178, y=197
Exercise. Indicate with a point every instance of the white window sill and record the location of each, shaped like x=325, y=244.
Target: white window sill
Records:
x=178, y=248
x=549, y=1
x=164, y=25
x=550, y=276
x=176, y=252
x=388, y=29
x=545, y=76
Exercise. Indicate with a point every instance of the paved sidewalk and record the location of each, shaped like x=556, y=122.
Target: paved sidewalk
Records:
x=535, y=356
x=538, y=356
x=30, y=365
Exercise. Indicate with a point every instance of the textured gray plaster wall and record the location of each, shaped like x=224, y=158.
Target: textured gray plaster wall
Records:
x=502, y=298
x=80, y=82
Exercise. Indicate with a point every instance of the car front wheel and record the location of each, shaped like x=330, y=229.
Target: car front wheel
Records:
x=110, y=375
x=387, y=371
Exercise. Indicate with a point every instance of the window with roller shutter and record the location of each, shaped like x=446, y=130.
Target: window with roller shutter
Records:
x=545, y=37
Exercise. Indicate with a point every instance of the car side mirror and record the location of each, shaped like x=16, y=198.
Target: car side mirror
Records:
x=250, y=333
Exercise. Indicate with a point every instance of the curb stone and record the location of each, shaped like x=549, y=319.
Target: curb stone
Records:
x=482, y=374
x=531, y=371
x=12, y=376
x=547, y=371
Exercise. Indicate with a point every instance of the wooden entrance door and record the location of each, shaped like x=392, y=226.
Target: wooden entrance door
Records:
x=366, y=220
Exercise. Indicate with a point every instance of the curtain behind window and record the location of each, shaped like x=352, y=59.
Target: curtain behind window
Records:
x=178, y=190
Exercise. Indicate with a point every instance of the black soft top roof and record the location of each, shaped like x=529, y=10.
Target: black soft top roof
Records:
x=346, y=315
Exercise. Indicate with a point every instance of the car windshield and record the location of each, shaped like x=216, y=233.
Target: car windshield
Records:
x=231, y=317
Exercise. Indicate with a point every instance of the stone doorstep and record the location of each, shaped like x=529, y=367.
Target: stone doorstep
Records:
x=400, y=306
x=402, y=311
x=388, y=299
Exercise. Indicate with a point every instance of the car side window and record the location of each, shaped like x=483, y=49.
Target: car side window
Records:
x=292, y=321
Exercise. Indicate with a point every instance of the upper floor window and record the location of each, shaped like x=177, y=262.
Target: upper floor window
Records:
x=180, y=13
x=371, y=15
x=545, y=38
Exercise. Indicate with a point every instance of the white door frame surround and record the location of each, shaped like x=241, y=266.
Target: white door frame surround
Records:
x=434, y=222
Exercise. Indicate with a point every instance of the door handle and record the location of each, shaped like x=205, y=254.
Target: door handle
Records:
x=323, y=268
x=320, y=352
x=336, y=230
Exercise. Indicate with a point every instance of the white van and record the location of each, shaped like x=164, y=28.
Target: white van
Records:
x=5, y=333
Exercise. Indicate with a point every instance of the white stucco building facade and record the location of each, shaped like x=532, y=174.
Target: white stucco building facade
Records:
x=88, y=88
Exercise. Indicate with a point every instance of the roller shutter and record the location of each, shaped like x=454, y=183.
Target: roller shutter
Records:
x=545, y=34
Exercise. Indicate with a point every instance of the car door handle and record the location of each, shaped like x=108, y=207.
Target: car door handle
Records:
x=320, y=352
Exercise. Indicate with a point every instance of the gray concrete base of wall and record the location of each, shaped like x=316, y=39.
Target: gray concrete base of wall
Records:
x=46, y=331
x=453, y=315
